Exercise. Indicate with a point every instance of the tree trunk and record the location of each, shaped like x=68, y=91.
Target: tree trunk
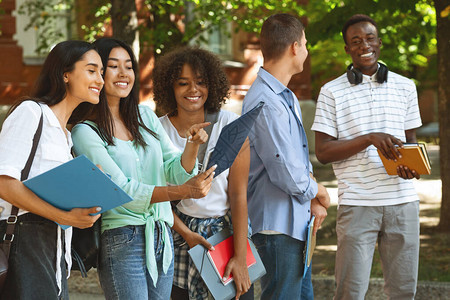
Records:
x=125, y=23
x=443, y=49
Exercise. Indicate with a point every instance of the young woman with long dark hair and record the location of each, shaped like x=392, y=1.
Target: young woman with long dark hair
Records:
x=128, y=141
x=71, y=74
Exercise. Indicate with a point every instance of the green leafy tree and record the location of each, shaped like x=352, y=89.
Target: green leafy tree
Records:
x=165, y=23
x=407, y=30
x=171, y=23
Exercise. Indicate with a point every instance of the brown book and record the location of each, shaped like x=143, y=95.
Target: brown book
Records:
x=414, y=156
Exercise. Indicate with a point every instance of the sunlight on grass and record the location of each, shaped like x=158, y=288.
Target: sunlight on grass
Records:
x=428, y=190
x=429, y=221
x=425, y=237
x=327, y=248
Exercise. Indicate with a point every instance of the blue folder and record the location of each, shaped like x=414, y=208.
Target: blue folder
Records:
x=209, y=275
x=310, y=245
x=231, y=139
x=77, y=183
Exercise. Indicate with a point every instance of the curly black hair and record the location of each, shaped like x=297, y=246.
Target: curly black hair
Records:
x=168, y=69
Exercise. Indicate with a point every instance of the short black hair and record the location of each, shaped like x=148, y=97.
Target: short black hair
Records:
x=168, y=69
x=278, y=32
x=358, y=18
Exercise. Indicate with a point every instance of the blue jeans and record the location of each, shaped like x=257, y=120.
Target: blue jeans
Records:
x=122, y=265
x=282, y=256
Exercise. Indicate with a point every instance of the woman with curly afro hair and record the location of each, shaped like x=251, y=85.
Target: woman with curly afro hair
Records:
x=190, y=86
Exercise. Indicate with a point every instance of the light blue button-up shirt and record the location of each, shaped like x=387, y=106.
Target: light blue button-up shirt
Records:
x=279, y=186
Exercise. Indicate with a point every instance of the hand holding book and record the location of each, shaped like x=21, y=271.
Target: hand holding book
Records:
x=222, y=254
x=209, y=272
x=237, y=267
x=412, y=156
x=386, y=144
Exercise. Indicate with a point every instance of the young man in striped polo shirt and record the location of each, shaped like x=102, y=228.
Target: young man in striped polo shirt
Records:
x=366, y=109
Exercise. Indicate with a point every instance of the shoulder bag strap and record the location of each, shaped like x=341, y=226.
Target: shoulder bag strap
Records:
x=12, y=220
x=212, y=118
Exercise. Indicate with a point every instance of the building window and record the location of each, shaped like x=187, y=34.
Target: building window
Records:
x=40, y=25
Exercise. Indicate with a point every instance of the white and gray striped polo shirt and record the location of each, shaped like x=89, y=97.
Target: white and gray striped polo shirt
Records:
x=345, y=111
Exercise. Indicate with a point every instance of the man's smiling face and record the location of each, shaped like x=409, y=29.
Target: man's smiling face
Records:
x=363, y=45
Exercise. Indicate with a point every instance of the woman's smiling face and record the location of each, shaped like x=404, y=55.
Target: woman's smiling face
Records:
x=119, y=74
x=190, y=90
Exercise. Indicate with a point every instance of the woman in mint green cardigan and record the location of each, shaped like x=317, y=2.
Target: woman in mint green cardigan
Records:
x=128, y=141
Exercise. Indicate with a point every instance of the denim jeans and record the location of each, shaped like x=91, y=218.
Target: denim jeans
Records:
x=122, y=265
x=282, y=256
x=32, y=260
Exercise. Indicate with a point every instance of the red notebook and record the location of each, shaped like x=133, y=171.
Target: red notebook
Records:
x=223, y=252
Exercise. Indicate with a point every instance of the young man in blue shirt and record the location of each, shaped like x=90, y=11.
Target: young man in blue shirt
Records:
x=282, y=193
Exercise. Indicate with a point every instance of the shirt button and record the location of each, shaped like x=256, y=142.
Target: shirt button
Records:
x=309, y=210
x=304, y=146
x=137, y=159
x=278, y=155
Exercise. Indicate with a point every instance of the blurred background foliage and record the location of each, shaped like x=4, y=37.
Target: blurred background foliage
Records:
x=407, y=27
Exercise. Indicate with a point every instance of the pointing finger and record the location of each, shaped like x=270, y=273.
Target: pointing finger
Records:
x=200, y=125
x=209, y=171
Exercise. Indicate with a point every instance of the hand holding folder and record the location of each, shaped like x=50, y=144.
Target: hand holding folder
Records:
x=77, y=184
x=222, y=254
x=309, y=247
x=210, y=275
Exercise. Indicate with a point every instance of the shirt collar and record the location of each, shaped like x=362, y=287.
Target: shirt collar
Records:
x=51, y=117
x=372, y=77
x=54, y=122
x=273, y=83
